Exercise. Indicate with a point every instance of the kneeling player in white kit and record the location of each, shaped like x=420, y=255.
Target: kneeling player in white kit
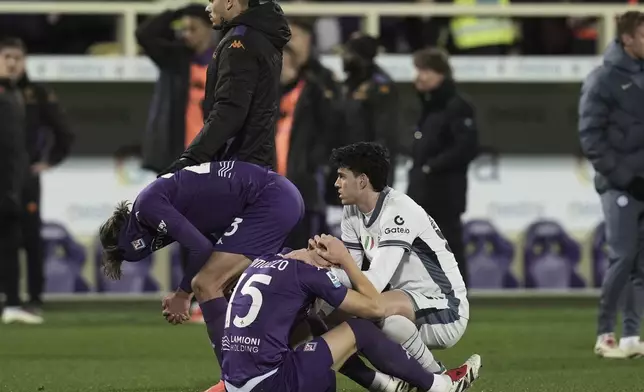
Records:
x=408, y=256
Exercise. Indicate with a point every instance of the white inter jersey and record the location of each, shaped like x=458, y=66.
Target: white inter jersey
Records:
x=425, y=265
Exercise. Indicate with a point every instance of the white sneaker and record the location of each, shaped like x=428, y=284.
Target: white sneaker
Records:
x=463, y=376
x=19, y=315
x=632, y=347
x=400, y=386
x=392, y=384
x=606, y=347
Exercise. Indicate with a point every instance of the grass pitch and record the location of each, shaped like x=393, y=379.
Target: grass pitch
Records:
x=526, y=345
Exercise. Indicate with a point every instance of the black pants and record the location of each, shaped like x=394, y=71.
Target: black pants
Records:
x=310, y=225
x=452, y=229
x=31, y=224
x=9, y=265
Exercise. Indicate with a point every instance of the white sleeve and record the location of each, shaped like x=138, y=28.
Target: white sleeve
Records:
x=350, y=238
x=384, y=265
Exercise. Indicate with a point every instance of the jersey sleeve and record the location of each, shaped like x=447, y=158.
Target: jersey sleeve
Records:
x=321, y=283
x=350, y=237
x=157, y=211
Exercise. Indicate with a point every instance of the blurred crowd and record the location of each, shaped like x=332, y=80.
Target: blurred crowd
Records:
x=58, y=34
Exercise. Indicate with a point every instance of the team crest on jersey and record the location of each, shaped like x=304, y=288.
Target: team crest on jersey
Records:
x=334, y=279
x=311, y=346
x=138, y=244
x=368, y=243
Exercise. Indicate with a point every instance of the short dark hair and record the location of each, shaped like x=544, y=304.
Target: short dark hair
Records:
x=435, y=59
x=197, y=11
x=109, y=236
x=628, y=22
x=370, y=159
x=13, y=43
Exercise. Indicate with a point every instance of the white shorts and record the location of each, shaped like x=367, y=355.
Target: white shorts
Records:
x=439, y=328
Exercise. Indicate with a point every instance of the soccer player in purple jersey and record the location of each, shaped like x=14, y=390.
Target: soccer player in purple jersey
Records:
x=276, y=292
x=225, y=213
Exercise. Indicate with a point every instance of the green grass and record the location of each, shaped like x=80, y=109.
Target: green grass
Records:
x=526, y=345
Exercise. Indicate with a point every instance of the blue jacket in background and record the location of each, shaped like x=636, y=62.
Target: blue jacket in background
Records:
x=611, y=119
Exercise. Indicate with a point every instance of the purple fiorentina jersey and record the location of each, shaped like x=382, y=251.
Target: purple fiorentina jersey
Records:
x=271, y=297
x=193, y=207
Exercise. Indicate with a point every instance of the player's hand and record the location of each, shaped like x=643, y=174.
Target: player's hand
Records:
x=332, y=249
x=176, y=307
x=309, y=257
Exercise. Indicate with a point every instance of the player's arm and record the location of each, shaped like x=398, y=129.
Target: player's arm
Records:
x=462, y=130
x=238, y=73
x=398, y=230
x=157, y=38
x=594, y=110
x=158, y=212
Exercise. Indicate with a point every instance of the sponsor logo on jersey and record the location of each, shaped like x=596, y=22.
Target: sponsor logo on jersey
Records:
x=334, y=279
x=399, y=220
x=138, y=244
x=244, y=344
x=311, y=346
x=396, y=230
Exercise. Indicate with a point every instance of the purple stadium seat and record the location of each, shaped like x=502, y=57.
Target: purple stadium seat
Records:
x=489, y=256
x=551, y=257
x=136, y=276
x=600, y=255
x=64, y=259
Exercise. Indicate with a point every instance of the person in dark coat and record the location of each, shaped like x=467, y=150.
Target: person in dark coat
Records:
x=300, y=141
x=14, y=161
x=445, y=142
x=48, y=142
x=611, y=132
x=182, y=56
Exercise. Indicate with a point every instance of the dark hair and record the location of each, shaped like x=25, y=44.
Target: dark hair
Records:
x=370, y=159
x=109, y=237
x=12, y=42
x=435, y=59
x=197, y=11
x=628, y=22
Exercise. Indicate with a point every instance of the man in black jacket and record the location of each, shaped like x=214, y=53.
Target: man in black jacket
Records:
x=176, y=114
x=242, y=88
x=49, y=141
x=14, y=162
x=446, y=141
x=611, y=129
x=300, y=141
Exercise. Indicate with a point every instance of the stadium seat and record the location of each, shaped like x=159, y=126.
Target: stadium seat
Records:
x=64, y=260
x=599, y=254
x=489, y=256
x=551, y=257
x=136, y=277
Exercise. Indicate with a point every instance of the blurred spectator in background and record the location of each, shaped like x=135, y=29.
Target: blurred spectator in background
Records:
x=300, y=142
x=370, y=99
x=176, y=114
x=14, y=161
x=475, y=35
x=446, y=141
x=611, y=125
x=49, y=141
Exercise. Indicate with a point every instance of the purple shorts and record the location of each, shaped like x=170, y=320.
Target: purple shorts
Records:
x=306, y=369
x=264, y=225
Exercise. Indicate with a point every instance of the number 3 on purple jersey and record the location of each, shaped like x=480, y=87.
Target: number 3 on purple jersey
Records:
x=257, y=300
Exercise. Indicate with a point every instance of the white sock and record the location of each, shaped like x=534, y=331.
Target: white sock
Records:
x=630, y=341
x=441, y=383
x=404, y=332
x=381, y=383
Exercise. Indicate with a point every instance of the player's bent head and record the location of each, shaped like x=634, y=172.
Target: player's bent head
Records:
x=109, y=236
x=365, y=163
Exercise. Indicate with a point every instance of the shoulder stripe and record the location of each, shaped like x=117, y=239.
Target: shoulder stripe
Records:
x=396, y=243
x=239, y=30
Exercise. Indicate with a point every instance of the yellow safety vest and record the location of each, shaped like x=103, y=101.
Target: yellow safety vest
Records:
x=474, y=32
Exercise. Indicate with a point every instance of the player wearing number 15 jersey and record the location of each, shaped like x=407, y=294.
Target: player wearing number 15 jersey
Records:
x=275, y=293
x=225, y=213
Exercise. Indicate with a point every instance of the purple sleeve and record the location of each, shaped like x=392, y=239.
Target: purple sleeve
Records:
x=157, y=211
x=321, y=283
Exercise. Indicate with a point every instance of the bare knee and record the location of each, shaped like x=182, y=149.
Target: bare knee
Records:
x=218, y=273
